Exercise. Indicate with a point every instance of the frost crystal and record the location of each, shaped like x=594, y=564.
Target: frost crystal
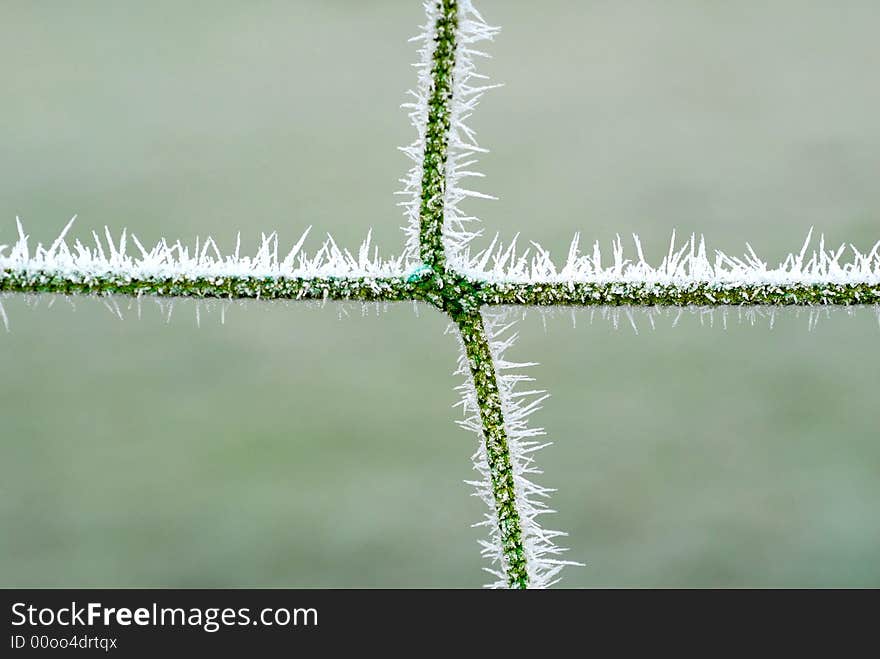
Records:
x=109, y=255
x=468, y=87
x=684, y=265
x=518, y=400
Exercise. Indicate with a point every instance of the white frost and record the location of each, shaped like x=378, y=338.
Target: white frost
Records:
x=518, y=401
x=684, y=265
x=468, y=87
x=124, y=256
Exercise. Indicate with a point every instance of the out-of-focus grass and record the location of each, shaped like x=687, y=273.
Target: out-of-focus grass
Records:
x=292, y=447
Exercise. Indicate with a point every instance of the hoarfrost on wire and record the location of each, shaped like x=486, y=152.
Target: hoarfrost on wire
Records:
x=112, y=256
x=683, y=266
x=518, y=400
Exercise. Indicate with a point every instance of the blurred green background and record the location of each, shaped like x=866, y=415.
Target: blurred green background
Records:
x=299, y=446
